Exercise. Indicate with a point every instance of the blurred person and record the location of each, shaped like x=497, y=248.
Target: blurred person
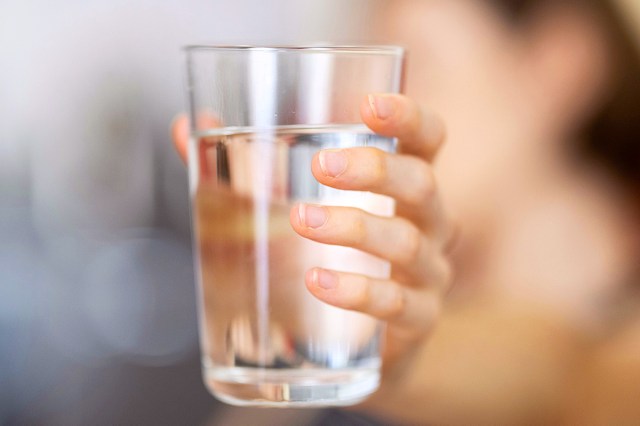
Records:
x=541, y=173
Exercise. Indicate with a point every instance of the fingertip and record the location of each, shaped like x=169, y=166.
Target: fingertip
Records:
x=382, y=112
x=329, y=166
x=311, y=278
x=310, y=281
x=180, y=134
x=316, y=169
x=294, y=217
x=420, y=131
x=180, y=126
x=371, y=113
x=324, y=279
x=321, y=283
x=366, y=111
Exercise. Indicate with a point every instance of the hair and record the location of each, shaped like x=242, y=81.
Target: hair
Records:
x=612, y=135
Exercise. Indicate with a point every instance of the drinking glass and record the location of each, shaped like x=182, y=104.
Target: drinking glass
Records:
x=258, y=115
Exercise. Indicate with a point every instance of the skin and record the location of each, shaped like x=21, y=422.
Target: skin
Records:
x=520, y=339
x=414, y=241
x=506, y=173
x=510, y=384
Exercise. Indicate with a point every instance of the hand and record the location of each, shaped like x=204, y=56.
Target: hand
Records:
x=414, y=241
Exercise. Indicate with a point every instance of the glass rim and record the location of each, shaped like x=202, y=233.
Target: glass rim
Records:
x=320, y=48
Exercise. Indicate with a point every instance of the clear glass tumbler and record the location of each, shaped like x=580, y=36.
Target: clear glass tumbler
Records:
x=258, y=115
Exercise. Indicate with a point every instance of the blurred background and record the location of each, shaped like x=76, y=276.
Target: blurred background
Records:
x=97, y=302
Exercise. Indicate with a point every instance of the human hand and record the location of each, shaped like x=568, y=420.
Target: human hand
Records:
x=414, y=241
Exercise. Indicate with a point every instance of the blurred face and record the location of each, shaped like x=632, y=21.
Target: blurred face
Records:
x=500, y=90
x=511, y=98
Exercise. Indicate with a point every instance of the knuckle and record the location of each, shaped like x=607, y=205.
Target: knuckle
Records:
x=377, y=167
x=433, y=129
x=447, y=274
x=409, y=121
x=425, y=313
x=424, y=188
x=361, y=297
x=410, y=244
x=395, y=305
x=358, y=228
x=431, y=313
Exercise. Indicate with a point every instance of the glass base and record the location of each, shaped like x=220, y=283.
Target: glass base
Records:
x=289, y=388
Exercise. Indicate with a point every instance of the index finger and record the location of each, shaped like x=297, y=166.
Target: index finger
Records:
x=419, y=131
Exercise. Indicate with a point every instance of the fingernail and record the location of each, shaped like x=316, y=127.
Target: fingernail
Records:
x=312, y=216
x=333, y=162
x=382, y=107
x=324, y=279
